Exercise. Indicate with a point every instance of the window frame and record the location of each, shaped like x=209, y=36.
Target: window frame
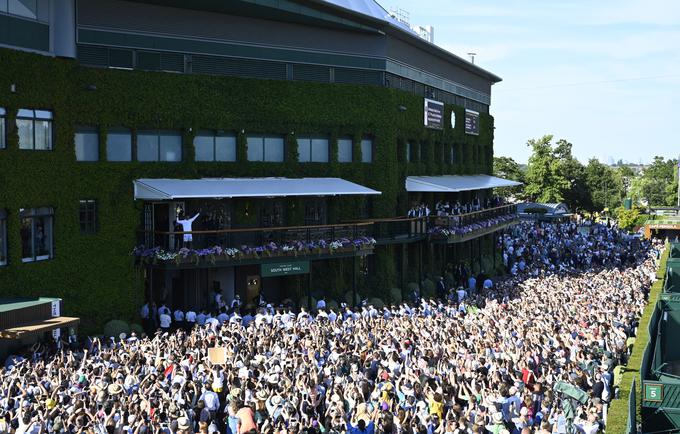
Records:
x=3, y=238
x=159, y=153
x=33, y=118
x=83, y=129
x=34, y=213
x=310, y=143
x=350, y=140
x=214, y=135
x=119, y=131
x=90, y=225
x=3, y=128
x=262, y=138
x=363, y=154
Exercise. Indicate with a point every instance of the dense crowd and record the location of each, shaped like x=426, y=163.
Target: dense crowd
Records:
x=480, y=360
x=447, y=209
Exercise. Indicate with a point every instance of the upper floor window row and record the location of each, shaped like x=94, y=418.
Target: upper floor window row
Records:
x=38, y=10
x=152, y=145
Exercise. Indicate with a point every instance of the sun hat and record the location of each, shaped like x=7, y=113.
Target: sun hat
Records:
x=183, y=423
x=277, y=400
x=497, y=417
x=114, y=389
x=261, y=395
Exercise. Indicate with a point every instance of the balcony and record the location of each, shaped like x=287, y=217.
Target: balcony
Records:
x=464, y=227
x=253, y=245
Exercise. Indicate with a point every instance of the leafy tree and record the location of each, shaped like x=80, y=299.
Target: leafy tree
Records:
x=507, y=168
x=545, y=181
x=658, y=184
x=577, y=196
x=606, y=189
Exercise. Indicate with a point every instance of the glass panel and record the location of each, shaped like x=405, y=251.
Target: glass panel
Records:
x=43, y=114
x=255, y=146
x=204, y=146
x=24, y=8
x=273, y=149
x=119, y=145
x=87, y=145
x=320, y=150
x=171, y=145
x=43, y=10
x=452, y=157
x=2, y=110
x=304, y=149
x=25, y=113
x=147, y=145
x=2, y=133
x=25, y=127
x=27, y=238
x=3, y=5
x=43, y=237
x=366, y=150
x=225, y=148
x=345, y=150
x=43, y=135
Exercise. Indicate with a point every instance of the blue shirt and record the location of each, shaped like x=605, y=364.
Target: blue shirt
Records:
x=370, y=429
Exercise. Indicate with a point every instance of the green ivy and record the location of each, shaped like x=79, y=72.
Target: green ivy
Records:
x=95, y=274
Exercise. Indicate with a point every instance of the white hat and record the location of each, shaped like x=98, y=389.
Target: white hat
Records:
x=183, y=423
x=497, y=417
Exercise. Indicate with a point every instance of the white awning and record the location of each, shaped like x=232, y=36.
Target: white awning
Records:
x=170, y=189
x=455, y=183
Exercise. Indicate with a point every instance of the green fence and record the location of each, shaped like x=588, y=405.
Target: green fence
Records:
x=632, y=409
x=617, y=418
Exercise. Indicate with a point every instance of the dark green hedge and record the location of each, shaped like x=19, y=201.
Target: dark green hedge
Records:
x=94, y=273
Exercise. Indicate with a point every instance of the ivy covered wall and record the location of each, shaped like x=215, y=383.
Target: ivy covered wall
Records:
x=95, y=273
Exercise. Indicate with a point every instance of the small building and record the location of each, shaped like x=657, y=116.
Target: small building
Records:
x=543, y=211
x=24, y=321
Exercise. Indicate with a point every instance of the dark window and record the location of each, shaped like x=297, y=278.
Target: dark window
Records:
x=159, y=145
x=452, y=154
x=35, y=129
x=408, y=152
x=88, y=216
x=36, y=234
x=119, y=145
x=3, y=237
x=86, y=141
x=366, y=150
x=2, y=128
x=265, y=148
x=313, y=149
x=211, y=146
x=345, y=146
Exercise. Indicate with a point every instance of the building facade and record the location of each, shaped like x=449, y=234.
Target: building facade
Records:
x=101, y=99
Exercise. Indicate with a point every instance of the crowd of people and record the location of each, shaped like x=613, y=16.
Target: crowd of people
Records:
x=485, y=358
x=447, y=209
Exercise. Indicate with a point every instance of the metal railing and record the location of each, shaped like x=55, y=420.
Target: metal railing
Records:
x=461, y=220
x=254, y=237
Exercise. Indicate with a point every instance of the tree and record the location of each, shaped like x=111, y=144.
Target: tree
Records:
x=658, y=184
x=545, y=181
x=507, y=168
x=606, y=189
x=577, y=196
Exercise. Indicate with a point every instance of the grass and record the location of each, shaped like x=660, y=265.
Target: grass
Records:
x=617, y=417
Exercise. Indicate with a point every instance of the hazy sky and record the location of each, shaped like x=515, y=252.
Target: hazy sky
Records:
x=605, y=74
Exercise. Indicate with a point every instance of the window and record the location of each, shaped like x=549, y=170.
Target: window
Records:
x=119, y=144
x=312, y=149
x=408, y=152
x=265, y=148
x=36, y=234
x=211, y=146
x=3, y=237
x=345, y=146
x=88, y=216
x=3, y=139
x=366, y=150
x=87, y=144
x=32, y=9
x=35, y=129
x=159, y=145
x=452, y=154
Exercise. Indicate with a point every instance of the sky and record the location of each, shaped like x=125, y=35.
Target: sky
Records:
x=604, y=75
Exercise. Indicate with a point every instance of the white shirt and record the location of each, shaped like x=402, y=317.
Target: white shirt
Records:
x=179, y=315
x=321, y=304
x=212, y=401
x=191, y=316
x=186, y=226
x=165, y=321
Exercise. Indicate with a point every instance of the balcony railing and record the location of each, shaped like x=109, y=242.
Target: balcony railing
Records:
x=464, y=226
x=254, y=243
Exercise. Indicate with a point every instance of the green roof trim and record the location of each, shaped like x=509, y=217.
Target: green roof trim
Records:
x=8, y=305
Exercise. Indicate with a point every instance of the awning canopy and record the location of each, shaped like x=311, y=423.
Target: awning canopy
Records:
x=38, y=327
x=170, y=189
x=455, y=183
